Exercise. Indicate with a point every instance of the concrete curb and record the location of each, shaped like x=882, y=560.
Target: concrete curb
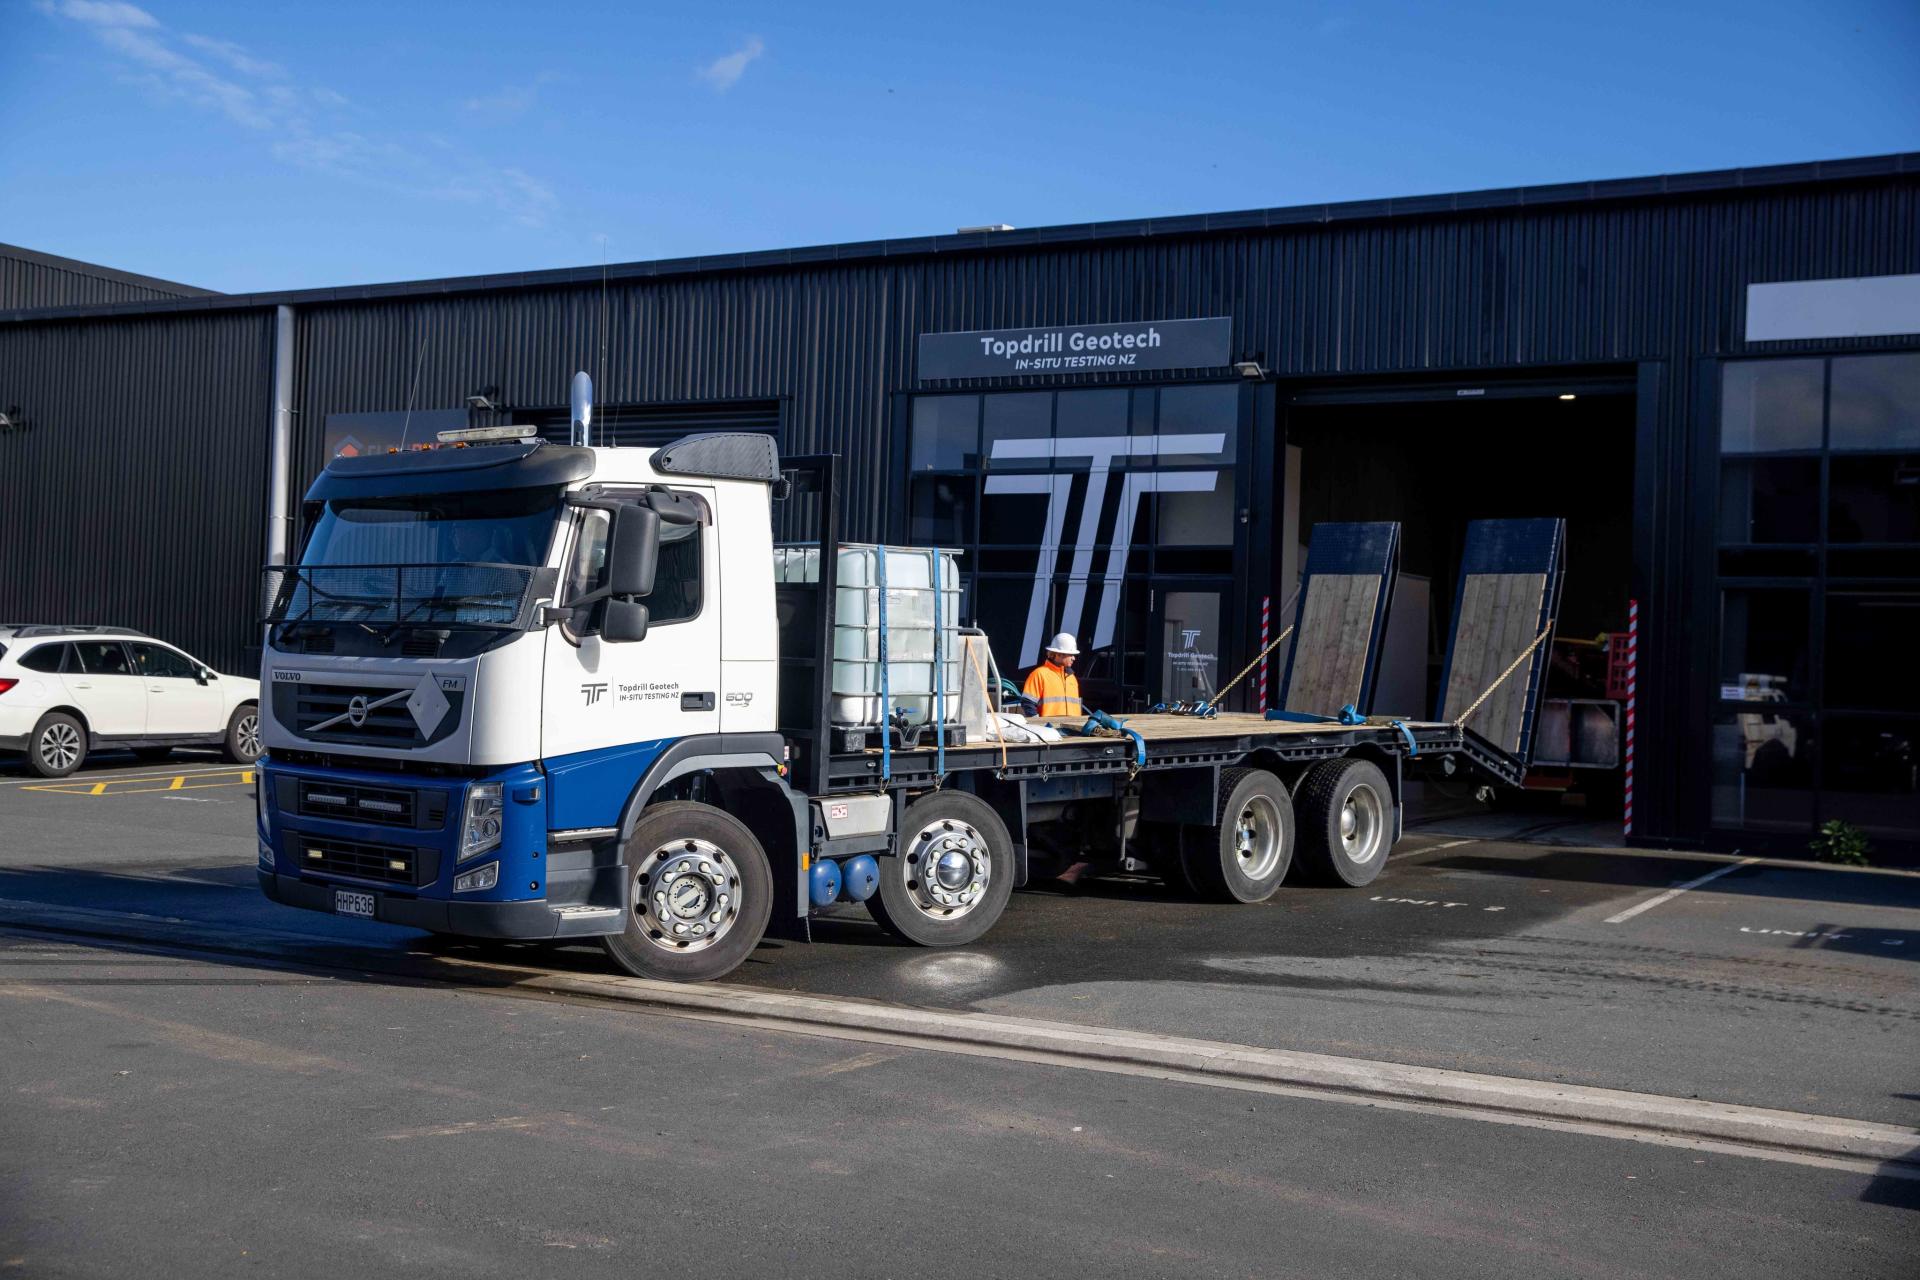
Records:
x=1617, y=1109
x=1617, y=1112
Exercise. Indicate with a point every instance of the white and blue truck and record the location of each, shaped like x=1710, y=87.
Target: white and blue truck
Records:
x=516, y=689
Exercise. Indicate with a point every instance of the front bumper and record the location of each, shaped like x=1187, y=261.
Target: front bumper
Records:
x=526, y=920
x=396, y=837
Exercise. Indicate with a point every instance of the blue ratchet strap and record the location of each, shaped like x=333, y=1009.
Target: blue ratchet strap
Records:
x=1299, y=717
x=1413, y=748
x=939, y=675
x=1350, y=714
x=886, y=712
x=1101, y=720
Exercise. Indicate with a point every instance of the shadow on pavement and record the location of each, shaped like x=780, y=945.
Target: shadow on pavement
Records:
x=1811, y=883
x=1887, y=944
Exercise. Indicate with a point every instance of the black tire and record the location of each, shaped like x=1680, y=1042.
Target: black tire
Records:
x=721, y=857
x=949, y=822
x=57, y=746
x=151, y=754
x=242, y=743
x=1333, y=792
x=1245, y=854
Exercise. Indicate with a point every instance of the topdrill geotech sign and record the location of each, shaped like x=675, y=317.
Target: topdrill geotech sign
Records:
x=1081, y=348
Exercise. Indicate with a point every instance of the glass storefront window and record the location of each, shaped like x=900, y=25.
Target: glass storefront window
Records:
x=1876, y=401
x=1826, y=649
x=1769, y=406
x=1872, y=773
x=1196, y=517
x=1874, y=498
x=940, y=510
x=1762, y=771
x=945, y=434
x=1017, y=430
x=1870, y=650
x=1763, y=645
x=1203, y=421
x=1769, y=500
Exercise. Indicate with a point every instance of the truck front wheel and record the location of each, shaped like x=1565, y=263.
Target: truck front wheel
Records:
x=1346, y=821
x=952, y=876
x=699, y=893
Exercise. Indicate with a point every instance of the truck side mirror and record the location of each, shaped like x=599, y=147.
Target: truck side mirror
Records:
x=624, y=622
x=634, y=552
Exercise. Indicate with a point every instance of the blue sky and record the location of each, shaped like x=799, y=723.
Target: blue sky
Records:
x=264, y=146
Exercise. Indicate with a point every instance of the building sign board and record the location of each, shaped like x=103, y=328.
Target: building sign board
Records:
x=1077, y=348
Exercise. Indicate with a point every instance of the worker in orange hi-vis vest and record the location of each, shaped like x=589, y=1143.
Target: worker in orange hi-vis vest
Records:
x=1053, y=688
x=1052, y=685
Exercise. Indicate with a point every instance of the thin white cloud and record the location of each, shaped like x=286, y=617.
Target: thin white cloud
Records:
x=100, y=13
x=305, y=126
x=237, y=57
x=724, y=73
x=508, y=102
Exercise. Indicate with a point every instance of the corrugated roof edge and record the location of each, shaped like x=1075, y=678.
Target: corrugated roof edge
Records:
x=104, y=273
x=1689, y=184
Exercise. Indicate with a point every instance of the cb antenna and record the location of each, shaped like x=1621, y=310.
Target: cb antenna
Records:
x=603, y=324
x=418, y=360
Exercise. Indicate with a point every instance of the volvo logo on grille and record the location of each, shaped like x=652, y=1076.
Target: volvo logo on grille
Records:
x=357, y=710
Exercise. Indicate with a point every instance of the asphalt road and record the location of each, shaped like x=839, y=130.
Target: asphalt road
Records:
x=295, y=1122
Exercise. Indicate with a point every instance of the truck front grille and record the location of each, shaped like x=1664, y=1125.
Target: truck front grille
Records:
x=357, y=802
x=362, y=860
x=322, y=712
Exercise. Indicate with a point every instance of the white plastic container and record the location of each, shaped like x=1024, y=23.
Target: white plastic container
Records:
x=916, y=612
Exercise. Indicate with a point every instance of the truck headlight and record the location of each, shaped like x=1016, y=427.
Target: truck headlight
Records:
x=261, y=803
x=480, y=829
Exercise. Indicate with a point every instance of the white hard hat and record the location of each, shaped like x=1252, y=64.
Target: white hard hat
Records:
x=1063, y=643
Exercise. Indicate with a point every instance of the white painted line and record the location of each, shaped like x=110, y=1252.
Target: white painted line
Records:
x=1451, y=844
x=1677, y=890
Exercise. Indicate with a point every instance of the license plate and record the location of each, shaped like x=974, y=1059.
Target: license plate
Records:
x=348, y=903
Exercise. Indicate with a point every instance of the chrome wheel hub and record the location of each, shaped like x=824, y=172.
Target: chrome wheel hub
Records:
x=1363, y=821
x=948, y=868
x=686, y=895
x=60, y=745
x=1258, y=837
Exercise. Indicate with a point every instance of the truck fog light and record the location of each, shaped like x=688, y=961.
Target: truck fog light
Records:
x=266, y=856
x=480, y=828
x=477, y=879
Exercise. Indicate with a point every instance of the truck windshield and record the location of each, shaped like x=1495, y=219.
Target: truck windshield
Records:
x=467, y=559
x=510, y=527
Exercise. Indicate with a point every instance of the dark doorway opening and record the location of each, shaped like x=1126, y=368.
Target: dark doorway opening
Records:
x=1436, y=464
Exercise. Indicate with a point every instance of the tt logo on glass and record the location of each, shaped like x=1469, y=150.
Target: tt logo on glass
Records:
x=1099, y=451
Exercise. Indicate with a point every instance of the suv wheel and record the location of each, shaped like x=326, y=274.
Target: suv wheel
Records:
x=58, y=745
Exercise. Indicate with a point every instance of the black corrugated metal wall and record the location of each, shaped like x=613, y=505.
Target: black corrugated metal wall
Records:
x=30, y=279
x=133, y=495
x=1653, y=281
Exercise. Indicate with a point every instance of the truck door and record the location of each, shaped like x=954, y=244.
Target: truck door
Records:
x=603, y=696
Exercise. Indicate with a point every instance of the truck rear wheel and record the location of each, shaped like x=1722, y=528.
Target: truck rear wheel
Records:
x=953, y=874
x=1346, y=821
x=699, y=894
x=1244, y=856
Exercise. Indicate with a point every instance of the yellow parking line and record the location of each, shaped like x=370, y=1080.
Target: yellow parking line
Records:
x=179, y=782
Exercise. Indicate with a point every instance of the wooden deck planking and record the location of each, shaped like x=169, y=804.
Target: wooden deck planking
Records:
x=1498, y=616
x=1332, y=643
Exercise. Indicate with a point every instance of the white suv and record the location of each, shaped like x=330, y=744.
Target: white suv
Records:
x=67, y=690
